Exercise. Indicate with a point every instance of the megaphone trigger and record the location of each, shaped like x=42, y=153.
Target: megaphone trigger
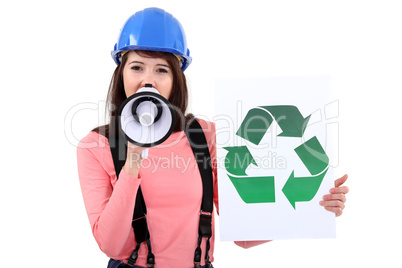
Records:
x=144, y=154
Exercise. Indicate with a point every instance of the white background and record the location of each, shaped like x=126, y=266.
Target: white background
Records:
x=55, y=61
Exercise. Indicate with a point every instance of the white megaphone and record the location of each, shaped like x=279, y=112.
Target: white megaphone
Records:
x=146, y=118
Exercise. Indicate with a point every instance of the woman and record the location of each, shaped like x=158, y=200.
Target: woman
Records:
x=152, y=50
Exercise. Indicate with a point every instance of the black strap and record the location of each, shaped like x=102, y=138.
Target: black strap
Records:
x=118, y=148
x=199, y=145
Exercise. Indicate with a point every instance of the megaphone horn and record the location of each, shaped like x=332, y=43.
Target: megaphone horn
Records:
x=147, y=110
x=146, y=118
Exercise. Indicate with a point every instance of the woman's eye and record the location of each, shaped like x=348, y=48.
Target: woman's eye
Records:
x=136, y=68
x=162, y=70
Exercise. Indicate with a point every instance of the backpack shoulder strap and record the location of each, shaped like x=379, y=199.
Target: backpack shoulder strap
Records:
x=118, y=148
x=199, y=145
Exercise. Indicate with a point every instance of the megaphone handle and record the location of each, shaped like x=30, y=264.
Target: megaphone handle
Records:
x=144, y=154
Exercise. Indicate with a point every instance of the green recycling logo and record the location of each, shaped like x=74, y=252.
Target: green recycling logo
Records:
x=261, y=189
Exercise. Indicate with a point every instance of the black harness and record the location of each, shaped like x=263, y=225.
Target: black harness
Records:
x=199, y=145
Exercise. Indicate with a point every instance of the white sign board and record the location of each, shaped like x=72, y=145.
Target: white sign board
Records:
x=276, y=148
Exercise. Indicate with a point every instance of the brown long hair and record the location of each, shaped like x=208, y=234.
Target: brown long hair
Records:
x=178, y=97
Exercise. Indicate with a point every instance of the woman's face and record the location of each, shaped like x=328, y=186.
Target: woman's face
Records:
x=139, y=71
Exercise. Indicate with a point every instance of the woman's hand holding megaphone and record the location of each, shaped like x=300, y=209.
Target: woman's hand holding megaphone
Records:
x=133, y=160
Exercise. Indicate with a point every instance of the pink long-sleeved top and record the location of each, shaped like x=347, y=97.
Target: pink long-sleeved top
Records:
x=172, y=190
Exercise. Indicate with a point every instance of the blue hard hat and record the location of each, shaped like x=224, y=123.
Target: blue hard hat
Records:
x=156, y=30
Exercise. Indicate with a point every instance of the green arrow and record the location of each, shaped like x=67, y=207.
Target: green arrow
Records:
x=254, y=125
x=254, y=189
x=250, y=189
x=258, y=120
x=238, y=159
x=289, y=118
x=302, y=189
x=313, y=156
